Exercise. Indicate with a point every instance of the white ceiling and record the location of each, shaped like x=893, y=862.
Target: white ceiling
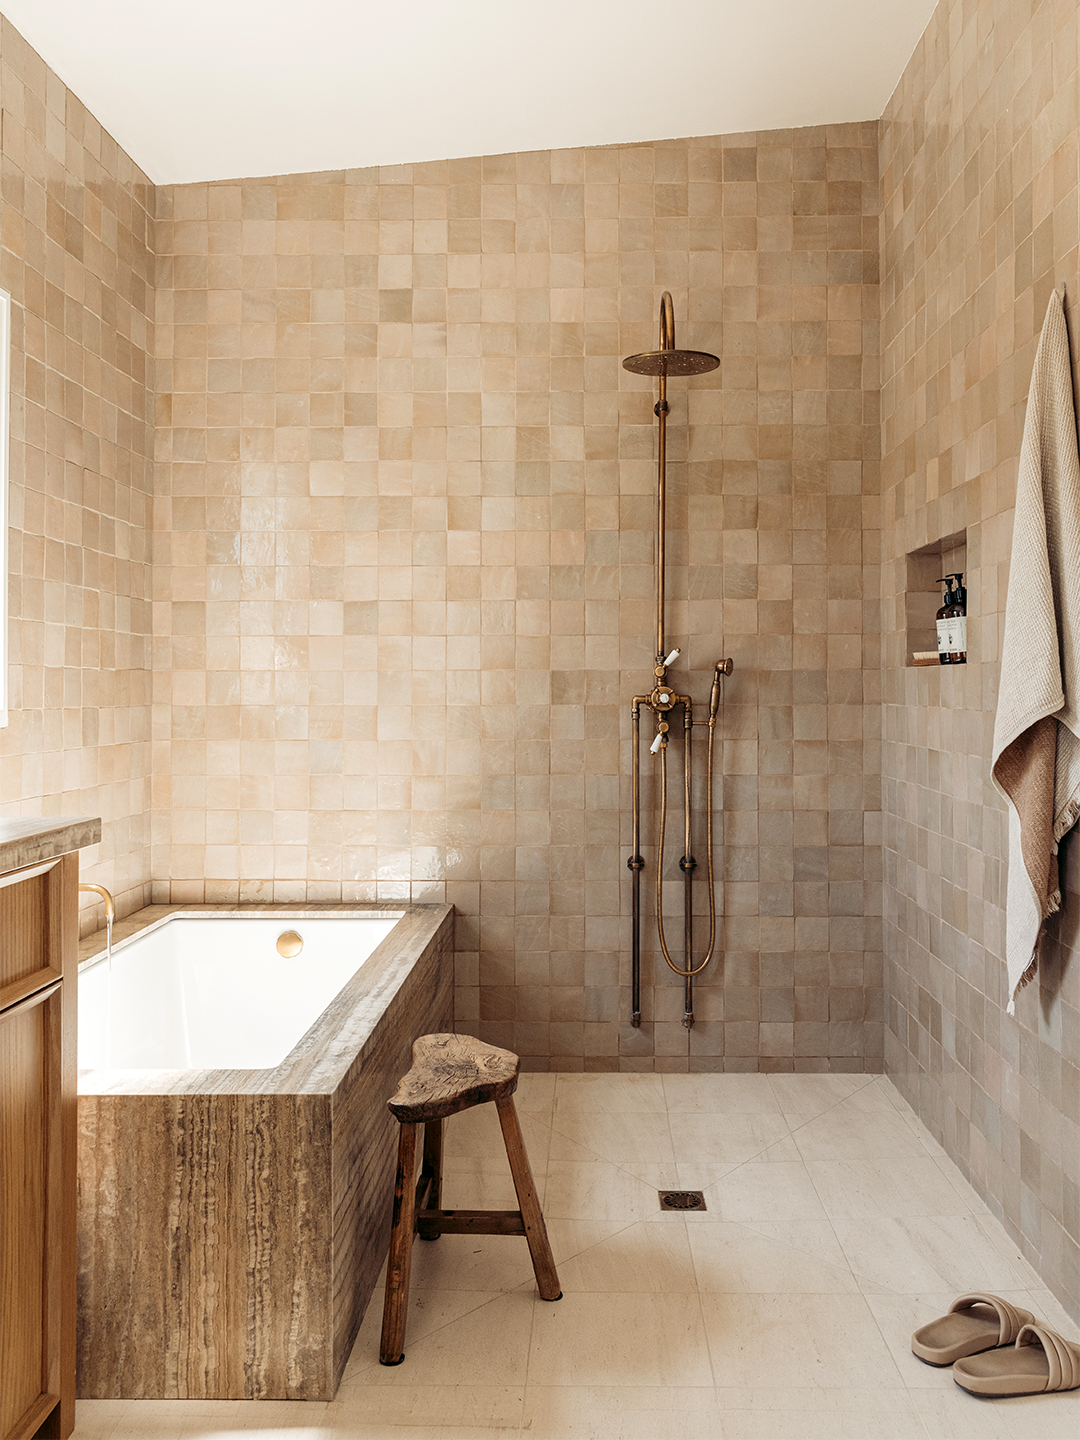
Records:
x=213, y=89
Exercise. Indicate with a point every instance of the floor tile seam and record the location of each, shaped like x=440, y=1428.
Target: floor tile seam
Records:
x=829, y=1220
x=586, y=1248
x=868, y=1080
x=799, y=1250
x=907, y=1386
x=908, y=1214
x=754, y=1159
x=615, y=1165
x=492, y=1296
x=581, y=1145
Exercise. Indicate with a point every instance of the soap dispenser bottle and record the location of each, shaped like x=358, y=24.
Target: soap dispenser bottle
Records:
x=952, y=622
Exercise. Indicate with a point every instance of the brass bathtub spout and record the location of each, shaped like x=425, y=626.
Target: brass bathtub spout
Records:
x=110, y=908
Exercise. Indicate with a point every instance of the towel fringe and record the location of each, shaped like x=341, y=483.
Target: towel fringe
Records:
x=1028, y=975
x=1070, y=814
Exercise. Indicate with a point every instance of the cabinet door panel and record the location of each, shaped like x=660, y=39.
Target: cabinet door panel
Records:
x=29, y=931
x=30, y=1156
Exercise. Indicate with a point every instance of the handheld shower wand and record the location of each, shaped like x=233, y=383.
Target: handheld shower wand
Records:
x=662, y=700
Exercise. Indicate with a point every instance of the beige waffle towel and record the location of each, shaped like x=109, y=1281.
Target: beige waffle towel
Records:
x=1036, y=762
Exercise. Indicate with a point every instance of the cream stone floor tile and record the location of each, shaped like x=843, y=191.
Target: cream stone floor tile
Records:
x=97, y=1419
x=200, y=1419
x=932, y=1253
x=570, y=1237
x=700, y=1175
x=599, y=1191
x=1046, y=1306
x=812, y=1237
x=613, y=1136
x=631, y=1412
x=474, y=1183
x=848, y=1133
x=254, y=1427
x=607, y=1093
x=1008, y=1248
x=781, y=1192
x=476, y=1133
x=535, y=1092
x=346, y=1427
x=471, y=1262
x=653, y=1258
x=795, y=1340
x=719, y=1095
x=429, y=1311
x=734, y=1259
x=734, y=1136
x=950, y=1413
x=899, y=1316
x=901, y=1188
x=498, y=1406
x=808, y=1095
x=487, y=1342
x=821, y=1414
x=795, y=1292
x=627, y=1339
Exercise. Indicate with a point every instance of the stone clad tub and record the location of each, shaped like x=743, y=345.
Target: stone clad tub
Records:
x=236, y=1177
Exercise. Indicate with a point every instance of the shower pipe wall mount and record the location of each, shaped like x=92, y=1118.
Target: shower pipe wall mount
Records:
x=662, y=701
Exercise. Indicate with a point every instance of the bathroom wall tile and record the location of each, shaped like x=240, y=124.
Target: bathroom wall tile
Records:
x=404, y=550
x=973, y=238
x=78, y=219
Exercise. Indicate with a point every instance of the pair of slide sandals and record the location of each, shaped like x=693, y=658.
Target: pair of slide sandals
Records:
x=997, y=1349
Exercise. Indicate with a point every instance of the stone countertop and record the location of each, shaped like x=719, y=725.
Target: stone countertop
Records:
x=43, y=837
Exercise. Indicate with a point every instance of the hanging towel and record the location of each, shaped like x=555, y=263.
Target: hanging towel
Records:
x=1036, y=759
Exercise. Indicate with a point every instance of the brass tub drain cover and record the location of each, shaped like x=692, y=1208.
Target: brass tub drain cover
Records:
x=289, y=944
x=682, y=1200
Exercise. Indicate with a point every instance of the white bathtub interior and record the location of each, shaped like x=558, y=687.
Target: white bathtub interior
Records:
x=212, y=992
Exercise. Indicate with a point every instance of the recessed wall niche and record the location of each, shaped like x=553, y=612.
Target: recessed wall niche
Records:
x=925, y=567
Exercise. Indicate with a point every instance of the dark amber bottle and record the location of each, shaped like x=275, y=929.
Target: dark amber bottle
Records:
x=952, y=622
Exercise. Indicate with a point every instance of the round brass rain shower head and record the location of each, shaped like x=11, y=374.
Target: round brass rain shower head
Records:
x=667, y=360
x=671, y=362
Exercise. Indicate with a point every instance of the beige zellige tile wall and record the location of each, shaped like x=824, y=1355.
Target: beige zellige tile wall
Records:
x=403, y=569
x=979, y=159
x=76, y=256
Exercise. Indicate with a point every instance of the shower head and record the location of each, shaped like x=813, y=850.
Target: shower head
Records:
x=667, y=360
x=671, y=362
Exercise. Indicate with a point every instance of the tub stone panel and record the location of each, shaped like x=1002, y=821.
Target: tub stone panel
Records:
x=204, y=1246
x=365, y=1139
x=230, y=1241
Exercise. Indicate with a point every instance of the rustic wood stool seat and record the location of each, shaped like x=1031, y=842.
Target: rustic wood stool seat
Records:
x=452, y=1073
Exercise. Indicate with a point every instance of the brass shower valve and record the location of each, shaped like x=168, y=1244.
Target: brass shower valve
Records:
x=664, y=698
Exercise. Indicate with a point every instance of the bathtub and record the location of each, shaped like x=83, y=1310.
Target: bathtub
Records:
x=236, y=1157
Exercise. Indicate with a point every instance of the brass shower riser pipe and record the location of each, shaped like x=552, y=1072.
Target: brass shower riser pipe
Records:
x=662, y=701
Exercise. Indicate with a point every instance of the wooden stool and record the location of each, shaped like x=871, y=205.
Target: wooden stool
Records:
x=451, y=1073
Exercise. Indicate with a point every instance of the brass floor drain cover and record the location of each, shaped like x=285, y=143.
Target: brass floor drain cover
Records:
x=682, y=1200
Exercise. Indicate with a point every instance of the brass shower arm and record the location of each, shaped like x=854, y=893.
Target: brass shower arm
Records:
x=667, y=322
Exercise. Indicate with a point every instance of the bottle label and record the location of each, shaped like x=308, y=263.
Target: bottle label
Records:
x=952, y=635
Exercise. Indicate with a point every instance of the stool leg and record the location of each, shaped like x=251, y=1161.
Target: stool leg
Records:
x=396, y=1303
x=431, y=1171
x=547, y=1279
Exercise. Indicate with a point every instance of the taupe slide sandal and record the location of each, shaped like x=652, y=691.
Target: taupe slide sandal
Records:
x=1040, y=1361
x=974, y=1323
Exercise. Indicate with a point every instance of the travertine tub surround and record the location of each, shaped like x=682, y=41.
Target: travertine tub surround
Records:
x=232, y=1224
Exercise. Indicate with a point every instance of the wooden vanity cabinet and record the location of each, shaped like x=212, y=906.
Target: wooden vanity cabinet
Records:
x=38, y=965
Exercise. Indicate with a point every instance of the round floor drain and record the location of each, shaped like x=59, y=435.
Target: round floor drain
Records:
x=682, y=1200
